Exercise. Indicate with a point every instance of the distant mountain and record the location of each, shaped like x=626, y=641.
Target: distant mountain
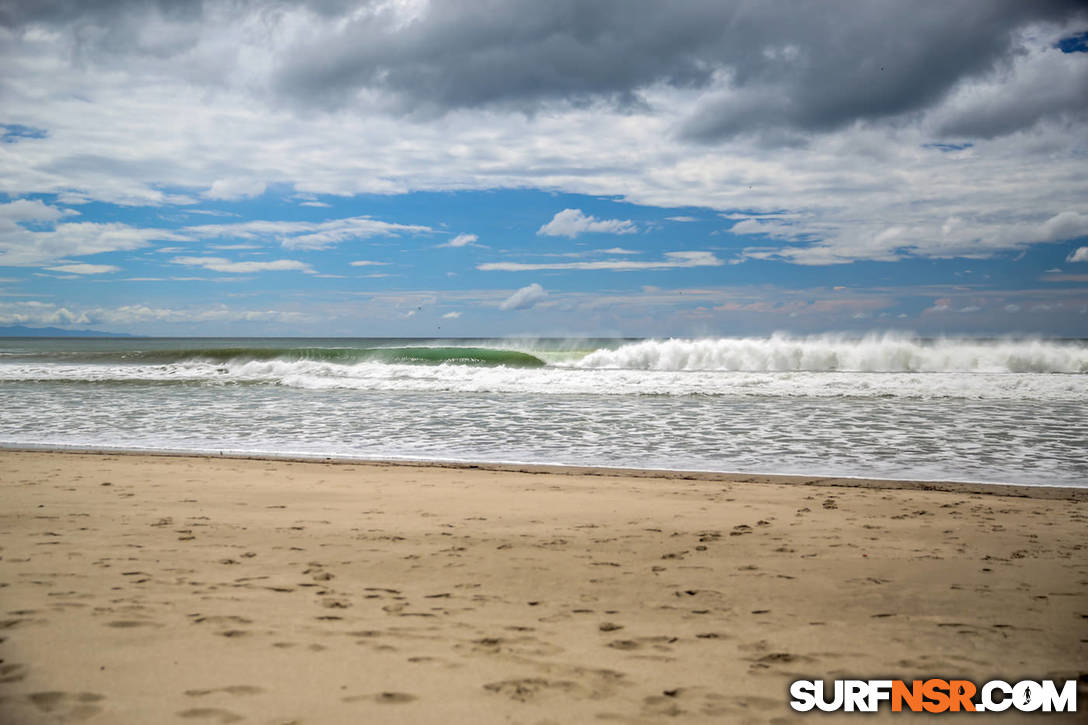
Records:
x=22, y=331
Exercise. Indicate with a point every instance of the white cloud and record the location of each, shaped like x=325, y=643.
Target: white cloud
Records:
x=306, y=235
x=572, y=222
x=461, y=240
x=1080, y=255
x=107, y=141
x=220, y=264
x=673, y=260
x=24, y=210
x=40, y=313
x=681, y=219
x=315, y=203
x=367, y=263
x=21, y=247
x=85, y=268
x=617, y=250
x=451, y=315
x=234, y=189
x=524, y=298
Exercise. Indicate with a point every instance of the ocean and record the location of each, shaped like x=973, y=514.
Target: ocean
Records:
x=888, y=406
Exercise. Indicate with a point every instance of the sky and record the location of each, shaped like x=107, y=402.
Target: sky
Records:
x=566, y=168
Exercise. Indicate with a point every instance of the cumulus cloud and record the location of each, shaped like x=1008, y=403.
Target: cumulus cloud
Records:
x=572, y=222
x=774, y=62
x=807, y=107
x=524, y=298
x=29, y=210
x=1078, y=255
x=673, y=260
x=221, y=264
x=451, y=315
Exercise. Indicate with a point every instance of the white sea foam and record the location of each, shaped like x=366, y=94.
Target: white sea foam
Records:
x=883, y=353
x=317, y=375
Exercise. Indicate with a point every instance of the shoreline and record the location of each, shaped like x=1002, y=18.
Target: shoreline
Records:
x=157, y=588
x=1019, y=490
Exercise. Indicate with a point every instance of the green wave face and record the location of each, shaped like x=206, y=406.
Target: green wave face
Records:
x=455, y=355
x=478, y=356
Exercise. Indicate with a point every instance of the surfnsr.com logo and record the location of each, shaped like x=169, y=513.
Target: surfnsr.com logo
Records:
x=933, y=695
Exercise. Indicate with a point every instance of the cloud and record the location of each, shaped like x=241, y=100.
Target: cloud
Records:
x=1041, y=84
x=1079, y=255
x=21, y=247
x=524, y=298
x=461, y=240
x=29, y=210
x=44, y=313
x=572, y=222
x=86, y=268
x=451, y=315
x=234, y=189
x=673, y=260
x=759, y=65
x=622, y=99
x=306, y=235
x=366, y=263
x=220, y=264
x=955, y=237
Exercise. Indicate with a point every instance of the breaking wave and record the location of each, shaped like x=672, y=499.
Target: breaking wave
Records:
x=886, y=353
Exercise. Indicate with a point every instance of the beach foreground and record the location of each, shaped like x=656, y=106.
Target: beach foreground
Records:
x=159, y=589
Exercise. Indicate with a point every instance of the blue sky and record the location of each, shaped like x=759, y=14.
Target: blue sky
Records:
x=223, y=169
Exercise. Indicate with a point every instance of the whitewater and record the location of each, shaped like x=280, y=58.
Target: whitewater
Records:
x=1002, y=410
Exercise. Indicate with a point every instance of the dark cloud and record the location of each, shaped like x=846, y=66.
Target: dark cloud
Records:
x=778, y=69
x=803, y=66
x=863, y=62
x=469, y=54
x=14, y=13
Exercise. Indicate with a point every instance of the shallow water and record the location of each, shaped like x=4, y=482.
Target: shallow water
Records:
x=1000, y=411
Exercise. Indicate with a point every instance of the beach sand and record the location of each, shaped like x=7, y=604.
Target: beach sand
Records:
x=155, y=589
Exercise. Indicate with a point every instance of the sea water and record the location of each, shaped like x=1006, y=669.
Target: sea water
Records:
x=1005, y=410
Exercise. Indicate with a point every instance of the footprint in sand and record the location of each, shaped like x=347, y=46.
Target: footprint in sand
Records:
x=230, y=690
x=383, y=698
x=211, y=713
x=533, y=688
x=12, y=672
x=63, y=706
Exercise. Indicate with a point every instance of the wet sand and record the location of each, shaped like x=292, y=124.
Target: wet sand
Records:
x=139, y=589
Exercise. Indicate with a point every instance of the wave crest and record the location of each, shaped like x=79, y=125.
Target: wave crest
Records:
x=886, y=353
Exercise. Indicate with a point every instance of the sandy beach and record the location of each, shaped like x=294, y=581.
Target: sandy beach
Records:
x=140, y=589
